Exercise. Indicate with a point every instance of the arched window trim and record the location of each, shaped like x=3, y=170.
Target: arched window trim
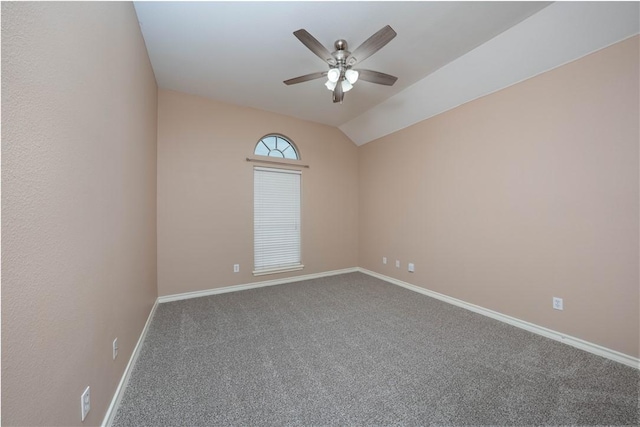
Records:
x=277, y=136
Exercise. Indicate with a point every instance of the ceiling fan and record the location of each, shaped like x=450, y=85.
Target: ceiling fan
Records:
x=341, y=76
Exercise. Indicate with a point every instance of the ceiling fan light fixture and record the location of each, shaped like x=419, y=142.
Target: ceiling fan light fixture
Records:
x=330, y=85
x=351, y=75
x=340, y=76
x=333, y=75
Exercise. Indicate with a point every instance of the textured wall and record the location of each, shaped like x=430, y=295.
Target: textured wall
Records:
x=525, y=194
x=78, y=205
x=205, y=193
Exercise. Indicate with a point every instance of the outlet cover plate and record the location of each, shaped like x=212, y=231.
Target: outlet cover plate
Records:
x=558, y=303
x=236, y=268
x=85, y=403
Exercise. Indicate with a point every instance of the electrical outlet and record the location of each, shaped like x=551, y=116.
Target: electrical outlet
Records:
x=557, y=303
x=384, y=259
x=85, y=403
x=411, y=267
x=397, y=264
x=115, y=348
x=236, y=268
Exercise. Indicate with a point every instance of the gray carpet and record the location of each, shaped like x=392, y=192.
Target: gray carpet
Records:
x=355, y=350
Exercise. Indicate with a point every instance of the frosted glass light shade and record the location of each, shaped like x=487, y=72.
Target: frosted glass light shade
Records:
x=346, y=86
x=330, y=85
x=351, y=75
x=333, y=75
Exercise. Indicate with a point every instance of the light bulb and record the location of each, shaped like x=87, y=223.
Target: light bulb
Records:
x=346, y=86
x=333, y=75
x=330, y=85
x=351, y=75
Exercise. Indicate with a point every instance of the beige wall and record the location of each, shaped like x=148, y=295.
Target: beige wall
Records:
x=525, y=194
x=205, y=193
x=78, y=205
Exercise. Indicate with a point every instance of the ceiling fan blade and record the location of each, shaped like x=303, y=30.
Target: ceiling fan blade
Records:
x=305, y=78
x=314, y=46
x=372, y=45
x=376, y=77
x=338, y=94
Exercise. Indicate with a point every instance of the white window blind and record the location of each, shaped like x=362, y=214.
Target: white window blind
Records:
x=276, y=219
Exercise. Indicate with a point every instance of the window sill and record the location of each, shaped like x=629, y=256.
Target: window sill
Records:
x=278, y=270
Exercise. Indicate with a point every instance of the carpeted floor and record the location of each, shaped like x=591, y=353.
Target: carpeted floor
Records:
x=355, y=350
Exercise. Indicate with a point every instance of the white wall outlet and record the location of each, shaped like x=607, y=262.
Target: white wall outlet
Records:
x=557, y=303
x=115, y=348
x=384, y=259
x=411, y=267
x=85, y=403
x=236, y=268
x=397, y=264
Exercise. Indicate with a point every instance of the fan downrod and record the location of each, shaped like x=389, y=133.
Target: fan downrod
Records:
x=341, y=52
x=340, y=44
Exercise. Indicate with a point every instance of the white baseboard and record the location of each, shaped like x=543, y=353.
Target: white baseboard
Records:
x=235, y=288
x=117, y=396
x=531, y=327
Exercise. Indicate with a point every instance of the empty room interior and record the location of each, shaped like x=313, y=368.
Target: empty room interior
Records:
x=320, y=213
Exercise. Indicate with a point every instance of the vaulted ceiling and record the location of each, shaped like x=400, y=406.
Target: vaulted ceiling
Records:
x=445, y=53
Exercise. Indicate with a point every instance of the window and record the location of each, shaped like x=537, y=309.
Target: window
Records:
x=276, y=221
x=276, y=146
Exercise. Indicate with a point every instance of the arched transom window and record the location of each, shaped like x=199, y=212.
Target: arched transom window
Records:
x=276, y=146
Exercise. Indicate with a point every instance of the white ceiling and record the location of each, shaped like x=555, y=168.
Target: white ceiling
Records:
x=558, y=34
x=445, y=53
x=240, y=52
